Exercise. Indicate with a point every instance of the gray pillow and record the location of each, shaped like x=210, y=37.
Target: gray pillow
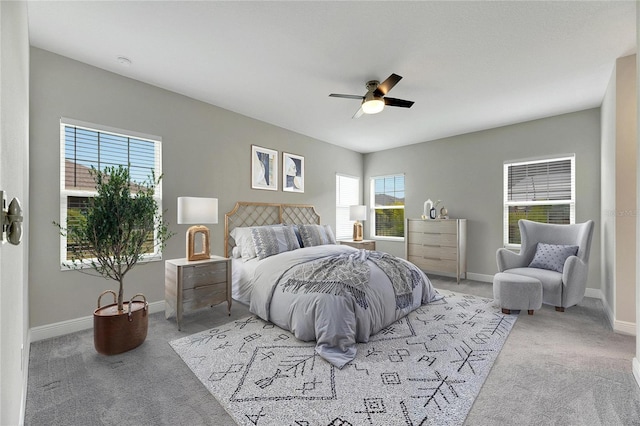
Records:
x=270, y=240
x=552, y=256
x=316, y=235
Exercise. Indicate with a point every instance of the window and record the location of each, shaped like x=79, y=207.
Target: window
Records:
x=347, y=194
x=387, y=206
x=541, y=190
x=84, y=145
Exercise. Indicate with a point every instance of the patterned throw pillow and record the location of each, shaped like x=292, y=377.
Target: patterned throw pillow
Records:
x=270, y=240
x=244, y=241
x=552, y=256
x=316, y=235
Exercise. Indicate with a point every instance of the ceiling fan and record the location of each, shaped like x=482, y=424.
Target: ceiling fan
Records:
x=374, y=100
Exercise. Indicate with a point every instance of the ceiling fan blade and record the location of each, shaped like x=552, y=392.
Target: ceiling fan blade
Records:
x=358, y=113
x=385, y=86
x=338, y=95
x=398, y=102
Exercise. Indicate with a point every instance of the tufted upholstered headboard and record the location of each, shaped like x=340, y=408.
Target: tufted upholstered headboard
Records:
x=258, y=214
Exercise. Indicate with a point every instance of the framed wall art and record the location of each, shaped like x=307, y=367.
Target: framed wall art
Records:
x=264, y=168
x=292, y=172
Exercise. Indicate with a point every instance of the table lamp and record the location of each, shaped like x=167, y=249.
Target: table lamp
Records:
x=197, y=210
x=357, y=213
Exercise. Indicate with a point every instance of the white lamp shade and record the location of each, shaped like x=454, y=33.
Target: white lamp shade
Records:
x=357, y=212
x=197, y=210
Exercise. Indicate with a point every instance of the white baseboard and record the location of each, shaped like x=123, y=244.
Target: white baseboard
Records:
x=636, y=370
x=624, y=327
x=78, y=324
x=594, y=293
x=480, y=277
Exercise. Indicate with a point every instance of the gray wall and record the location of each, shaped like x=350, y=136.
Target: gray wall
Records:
x=466, y=173
x=14, y=180
x=206, y=152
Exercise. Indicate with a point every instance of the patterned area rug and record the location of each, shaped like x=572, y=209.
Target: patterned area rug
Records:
x=426, y=368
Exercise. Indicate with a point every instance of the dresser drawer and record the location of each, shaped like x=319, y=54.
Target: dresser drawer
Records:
x=194, y=276
x=437, y=245
x=428, y=264
x=433, y=252
x=434, y=226
x=431, y=239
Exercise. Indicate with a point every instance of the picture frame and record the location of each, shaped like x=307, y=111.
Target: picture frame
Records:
x=292, y=172
x=264, y=168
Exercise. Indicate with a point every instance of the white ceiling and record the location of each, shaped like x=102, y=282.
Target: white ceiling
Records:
x=467, y=65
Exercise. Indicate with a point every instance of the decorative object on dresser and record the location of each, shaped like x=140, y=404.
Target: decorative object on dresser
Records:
x=190, y=285
x=362, y=244
x=429, y=210
x=438, y=245
x=264, y=168
x=292, y=172
x=116, y=232
x=357, y=213
x=197, y=210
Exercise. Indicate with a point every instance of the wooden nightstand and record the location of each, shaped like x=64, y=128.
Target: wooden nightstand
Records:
x=364, y=244
x=194, y=285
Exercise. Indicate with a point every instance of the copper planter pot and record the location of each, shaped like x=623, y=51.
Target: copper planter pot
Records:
x=117, y=332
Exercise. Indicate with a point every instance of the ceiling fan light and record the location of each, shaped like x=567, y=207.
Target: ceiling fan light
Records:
x=372, y=106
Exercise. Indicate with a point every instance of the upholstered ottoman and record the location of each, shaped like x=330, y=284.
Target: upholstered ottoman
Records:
x=517, y=292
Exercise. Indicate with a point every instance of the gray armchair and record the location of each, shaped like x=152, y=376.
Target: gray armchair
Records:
x=560, y=289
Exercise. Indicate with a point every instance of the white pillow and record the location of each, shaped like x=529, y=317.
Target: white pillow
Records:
x=244, y=242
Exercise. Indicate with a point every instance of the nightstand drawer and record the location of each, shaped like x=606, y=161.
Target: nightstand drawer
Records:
x=204, y=296
x=194, y=276
x=191, y=285
x=362, y=245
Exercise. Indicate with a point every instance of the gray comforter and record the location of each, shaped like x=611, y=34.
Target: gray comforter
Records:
x=337, y=295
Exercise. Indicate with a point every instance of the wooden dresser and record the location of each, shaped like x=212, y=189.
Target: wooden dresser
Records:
x=193, y=285
x=438, y=245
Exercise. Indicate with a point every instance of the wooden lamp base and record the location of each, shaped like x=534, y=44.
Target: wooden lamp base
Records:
x=191, y=243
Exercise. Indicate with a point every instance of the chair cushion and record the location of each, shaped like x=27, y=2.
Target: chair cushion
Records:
x=552, y=256
x=551, y=283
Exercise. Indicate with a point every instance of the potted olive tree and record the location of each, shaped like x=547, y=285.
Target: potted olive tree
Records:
x=109, y=236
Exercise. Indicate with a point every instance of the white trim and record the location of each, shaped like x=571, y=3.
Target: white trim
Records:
x=594, y=293
x=636, y=370
x=107, y=129
x=78, y=324
x=25, y=377
x=624, y=327
x=480, y=277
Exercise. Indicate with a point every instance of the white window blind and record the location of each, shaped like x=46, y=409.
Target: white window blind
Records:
x=347, y=194
x=387, y=206
x=85, y=145
x=542, y=190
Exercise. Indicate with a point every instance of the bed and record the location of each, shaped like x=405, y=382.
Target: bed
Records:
x=289, y=270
